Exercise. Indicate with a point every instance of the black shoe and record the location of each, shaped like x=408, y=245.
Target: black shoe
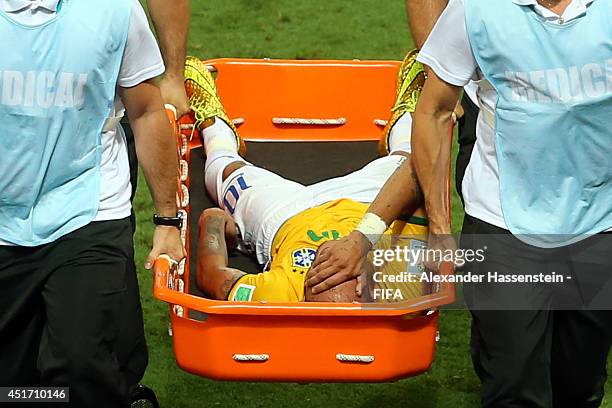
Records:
x=143, y=397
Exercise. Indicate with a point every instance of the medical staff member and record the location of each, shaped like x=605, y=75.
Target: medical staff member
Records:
x=539, y=185
x=65, y=234
x=537, y=191
x=171, y=22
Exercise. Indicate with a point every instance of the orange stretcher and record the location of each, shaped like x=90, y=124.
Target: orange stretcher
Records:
x=315, y=101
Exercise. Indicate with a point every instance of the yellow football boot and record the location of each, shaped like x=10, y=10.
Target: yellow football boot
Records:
x=204, y=100
x=410, y=81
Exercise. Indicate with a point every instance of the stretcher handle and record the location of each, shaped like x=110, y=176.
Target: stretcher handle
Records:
x=310, y=121
x=354, y=358
x=343, y=358
x=381, y=122
x=251, y=357
x=164, y=268
x=172, y=114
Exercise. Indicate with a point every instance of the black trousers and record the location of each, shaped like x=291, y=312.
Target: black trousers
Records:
x=131, y=347
x=61, y=308
x=539, y=345
x=466, y=139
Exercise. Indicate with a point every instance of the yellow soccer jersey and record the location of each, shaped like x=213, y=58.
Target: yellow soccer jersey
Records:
x=295, y=246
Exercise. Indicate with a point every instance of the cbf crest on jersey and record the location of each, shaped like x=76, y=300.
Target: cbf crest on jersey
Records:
x=303, y=258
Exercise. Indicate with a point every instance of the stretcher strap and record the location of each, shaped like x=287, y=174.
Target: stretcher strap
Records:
x=354, y=358
x=309, y=121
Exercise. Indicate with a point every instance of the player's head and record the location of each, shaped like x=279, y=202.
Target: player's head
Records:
x=345, y=292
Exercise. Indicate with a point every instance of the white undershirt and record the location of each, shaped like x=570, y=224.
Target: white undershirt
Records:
x=141, y=61
x=449, y=54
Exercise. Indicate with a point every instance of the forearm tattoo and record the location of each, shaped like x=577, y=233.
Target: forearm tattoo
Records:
x=228, y=284
x=213, y=238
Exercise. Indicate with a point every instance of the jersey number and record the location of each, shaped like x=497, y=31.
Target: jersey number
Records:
x=230, y=199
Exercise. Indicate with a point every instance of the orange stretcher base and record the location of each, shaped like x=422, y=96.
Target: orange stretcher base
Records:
x=301, y=342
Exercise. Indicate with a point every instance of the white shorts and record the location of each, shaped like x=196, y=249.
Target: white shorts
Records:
x=261, y=201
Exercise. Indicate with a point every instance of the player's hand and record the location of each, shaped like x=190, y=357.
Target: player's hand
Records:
x=166, y=240
x=173, y=93
x=337, y=262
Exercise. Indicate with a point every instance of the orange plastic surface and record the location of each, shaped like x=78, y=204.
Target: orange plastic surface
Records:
x=257, y=91
x=301, y=340
x=305, y=348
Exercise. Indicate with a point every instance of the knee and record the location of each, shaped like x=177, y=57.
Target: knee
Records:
x=80, y=363
x=232, y=168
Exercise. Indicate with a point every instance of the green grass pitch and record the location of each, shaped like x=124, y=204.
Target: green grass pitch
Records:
x=302, y=29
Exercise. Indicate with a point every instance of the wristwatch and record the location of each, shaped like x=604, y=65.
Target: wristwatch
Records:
x=168, y=221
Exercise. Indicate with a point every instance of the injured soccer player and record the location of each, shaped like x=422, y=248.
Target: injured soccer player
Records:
x=283, y=223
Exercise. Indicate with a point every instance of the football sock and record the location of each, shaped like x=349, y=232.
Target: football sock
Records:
x=400, y=138
x=219, y=136
x=221, y=149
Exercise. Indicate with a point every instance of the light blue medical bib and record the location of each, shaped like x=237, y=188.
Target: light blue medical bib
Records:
x=57, y=86
x=553, y=134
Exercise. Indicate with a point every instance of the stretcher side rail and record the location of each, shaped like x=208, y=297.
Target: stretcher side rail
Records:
x=163, y=271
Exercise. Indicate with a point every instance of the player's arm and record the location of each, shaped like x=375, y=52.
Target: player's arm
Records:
x=422, y=16
x=432, y=154
x=215, y=278
x=171, y=21
x=401, y=194
x=154, y=148
x=345, y=259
